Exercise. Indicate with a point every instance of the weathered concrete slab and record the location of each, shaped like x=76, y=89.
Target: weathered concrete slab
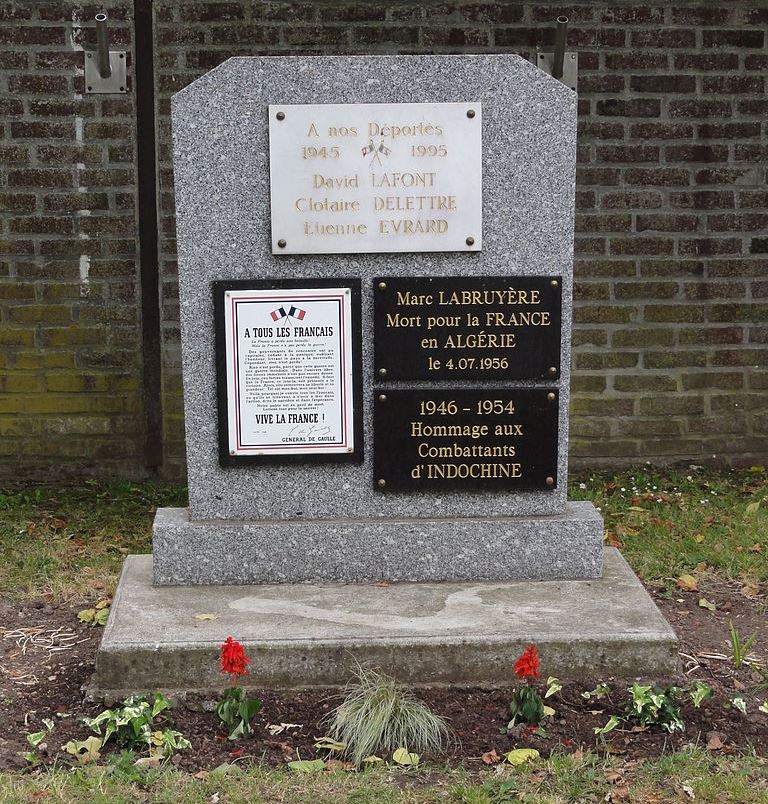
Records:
x=310, y=635
x=567, y=545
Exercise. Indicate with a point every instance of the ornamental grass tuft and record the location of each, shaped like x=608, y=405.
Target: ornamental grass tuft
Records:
x=378, y=715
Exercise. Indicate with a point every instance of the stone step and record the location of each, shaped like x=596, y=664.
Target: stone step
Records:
x=307, y=635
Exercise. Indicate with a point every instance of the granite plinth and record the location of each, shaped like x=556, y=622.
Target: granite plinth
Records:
x=567, y=545
x=221, y=167
x=311, y=635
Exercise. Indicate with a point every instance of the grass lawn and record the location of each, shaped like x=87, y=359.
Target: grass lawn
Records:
x=67, y=544
x=684, y=776
x=670, y=522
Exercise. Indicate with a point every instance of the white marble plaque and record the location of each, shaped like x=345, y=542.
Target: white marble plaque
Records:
x=289, y=371
x=375, y=177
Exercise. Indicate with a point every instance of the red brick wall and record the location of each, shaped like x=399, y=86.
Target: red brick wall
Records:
x=671, y=319
x=70, y=380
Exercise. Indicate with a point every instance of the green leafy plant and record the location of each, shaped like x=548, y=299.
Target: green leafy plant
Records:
x=236, y=709
x=553, y=686
x=739, y=647
x=378, y=715
x=95, y=616
x=598, y=693
x=699, y=692
x=133, y=726
x=37, y=737
x=306, y=766
x=526, y=705
x=167, y=742
x=739, y=704
x=10, y=499
x=655, y=706
x=613, y=721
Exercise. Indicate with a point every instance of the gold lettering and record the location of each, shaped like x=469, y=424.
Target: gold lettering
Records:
x=403, y=180
x=324, y=229
x=438, y=471
x=409, y=227
x=407, y=298
x=398, y=320
x=331, y=182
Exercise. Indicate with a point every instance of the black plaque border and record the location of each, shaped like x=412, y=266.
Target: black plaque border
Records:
x=219, y=288
x=464, y=485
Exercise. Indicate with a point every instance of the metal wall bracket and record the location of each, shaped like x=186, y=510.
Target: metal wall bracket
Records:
x=114, y=83
x=105, y=70
x=559, y=64
x=570, y=76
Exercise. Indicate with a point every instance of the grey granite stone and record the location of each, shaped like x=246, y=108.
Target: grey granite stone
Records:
x=567, y=545
x=222, y=199
x=309, y=635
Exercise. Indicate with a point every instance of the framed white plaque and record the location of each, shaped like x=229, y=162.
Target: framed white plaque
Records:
x=288, y=369
x=375, y=177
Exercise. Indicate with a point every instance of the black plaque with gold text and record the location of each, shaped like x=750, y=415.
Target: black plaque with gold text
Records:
x=467, y=328
x=492, y=439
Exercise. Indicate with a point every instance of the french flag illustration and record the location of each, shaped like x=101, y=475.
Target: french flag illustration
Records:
x=293, y=312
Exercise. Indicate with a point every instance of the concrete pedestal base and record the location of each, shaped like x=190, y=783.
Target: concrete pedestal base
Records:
x=425, y=633
x=567, y=545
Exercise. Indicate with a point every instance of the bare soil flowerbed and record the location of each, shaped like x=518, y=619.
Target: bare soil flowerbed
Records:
x=48, y=655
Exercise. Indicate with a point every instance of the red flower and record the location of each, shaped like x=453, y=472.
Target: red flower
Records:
x=527, y=666
x=233, y=658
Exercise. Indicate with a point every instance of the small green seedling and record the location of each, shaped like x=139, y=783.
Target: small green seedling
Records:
x=599, y=692
x=37, y=737
x=699, y=692
x=613, y=721
x=739, y=704
x=553, y=687
x=739, y=647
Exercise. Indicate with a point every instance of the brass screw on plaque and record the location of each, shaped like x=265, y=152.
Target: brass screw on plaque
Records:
x=554, y=283
x=470, y=241
x=382, y=397
x=281, y=243
x=470, y=113
x=280, y=115
x=552, y=370
x=382, y=285
x=381, y=482
x=551, y=397
x=550, y=481
x=382, y=372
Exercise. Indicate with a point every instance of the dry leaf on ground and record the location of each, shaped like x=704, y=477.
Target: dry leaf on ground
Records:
x=491, y=757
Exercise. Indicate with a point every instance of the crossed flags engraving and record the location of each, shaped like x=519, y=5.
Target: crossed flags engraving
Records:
x=293, y=312
x=372, y=149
